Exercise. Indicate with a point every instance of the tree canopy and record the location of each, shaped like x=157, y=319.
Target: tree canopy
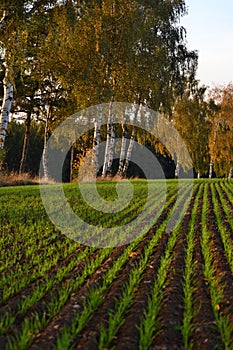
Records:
x=63, y=56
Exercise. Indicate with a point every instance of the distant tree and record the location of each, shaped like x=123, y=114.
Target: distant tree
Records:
x=221, y=137
x=191, y=119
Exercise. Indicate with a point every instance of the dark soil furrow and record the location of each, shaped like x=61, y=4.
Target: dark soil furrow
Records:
x=222, y=269
x=226, y=195
x=12, y=304
x=172, y=308
x=224, y=219
x=128, y=335
x=228, y=186
x=68, y=312
x=87, y=336
x=132, y=321
x=23, y=260
x=205, y=334
x=41, y=306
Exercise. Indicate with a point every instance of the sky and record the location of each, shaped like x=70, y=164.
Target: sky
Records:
x=209, y=26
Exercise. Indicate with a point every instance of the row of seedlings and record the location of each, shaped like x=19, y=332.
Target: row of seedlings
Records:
x=31, y=325
x=216, y=288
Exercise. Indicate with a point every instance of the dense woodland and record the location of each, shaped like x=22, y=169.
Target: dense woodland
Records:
x=61, y=57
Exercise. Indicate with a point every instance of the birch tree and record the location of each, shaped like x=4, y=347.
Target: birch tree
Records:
x=161, y=46
x=6, y=106
x=221, y=136
x=131, y=143
x=7, y=83
x=96, y=138
x=123, y=146
x=109, y=143
x=15, y=20
x=111, y=148
x=122, y=50
x=191, y=119
x=45, y=149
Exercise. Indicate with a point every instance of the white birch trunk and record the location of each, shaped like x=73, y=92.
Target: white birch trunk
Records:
x=198, y=175
x=108, y=141
x=131, y=144
x=123, y=149
x=230, y=173
x=129, y=153
x=111, y=149
x=6, y=107
x=45, y=150
x=177, y=170
x=96, y=140
x=4, y=14
x=214, y=145
x=7, y=95
x=211, y=170
x=71, y=162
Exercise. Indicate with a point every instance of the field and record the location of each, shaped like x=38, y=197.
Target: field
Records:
x=162, y=290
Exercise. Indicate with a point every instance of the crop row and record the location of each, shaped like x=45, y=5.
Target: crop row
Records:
x=41, y=289
x=56, y=291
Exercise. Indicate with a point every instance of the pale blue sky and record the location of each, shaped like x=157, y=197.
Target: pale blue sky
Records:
x=209, y=25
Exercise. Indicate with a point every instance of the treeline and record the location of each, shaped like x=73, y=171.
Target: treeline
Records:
x=60, y=57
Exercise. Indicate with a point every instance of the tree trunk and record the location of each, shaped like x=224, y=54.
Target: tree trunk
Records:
x=123, y=148
x=2, y=20
x=71, y=162
x=108, y=141
x=7, y=94
x=131, y=144
x=198, y=175
x=111, y=148
x=6, y=107
x=213, y=150
x=211, y=170
x=177, y=170
x=230, y=173
x=25, y=144
x=129, y=153
x=96, y=140
x=45, y=150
